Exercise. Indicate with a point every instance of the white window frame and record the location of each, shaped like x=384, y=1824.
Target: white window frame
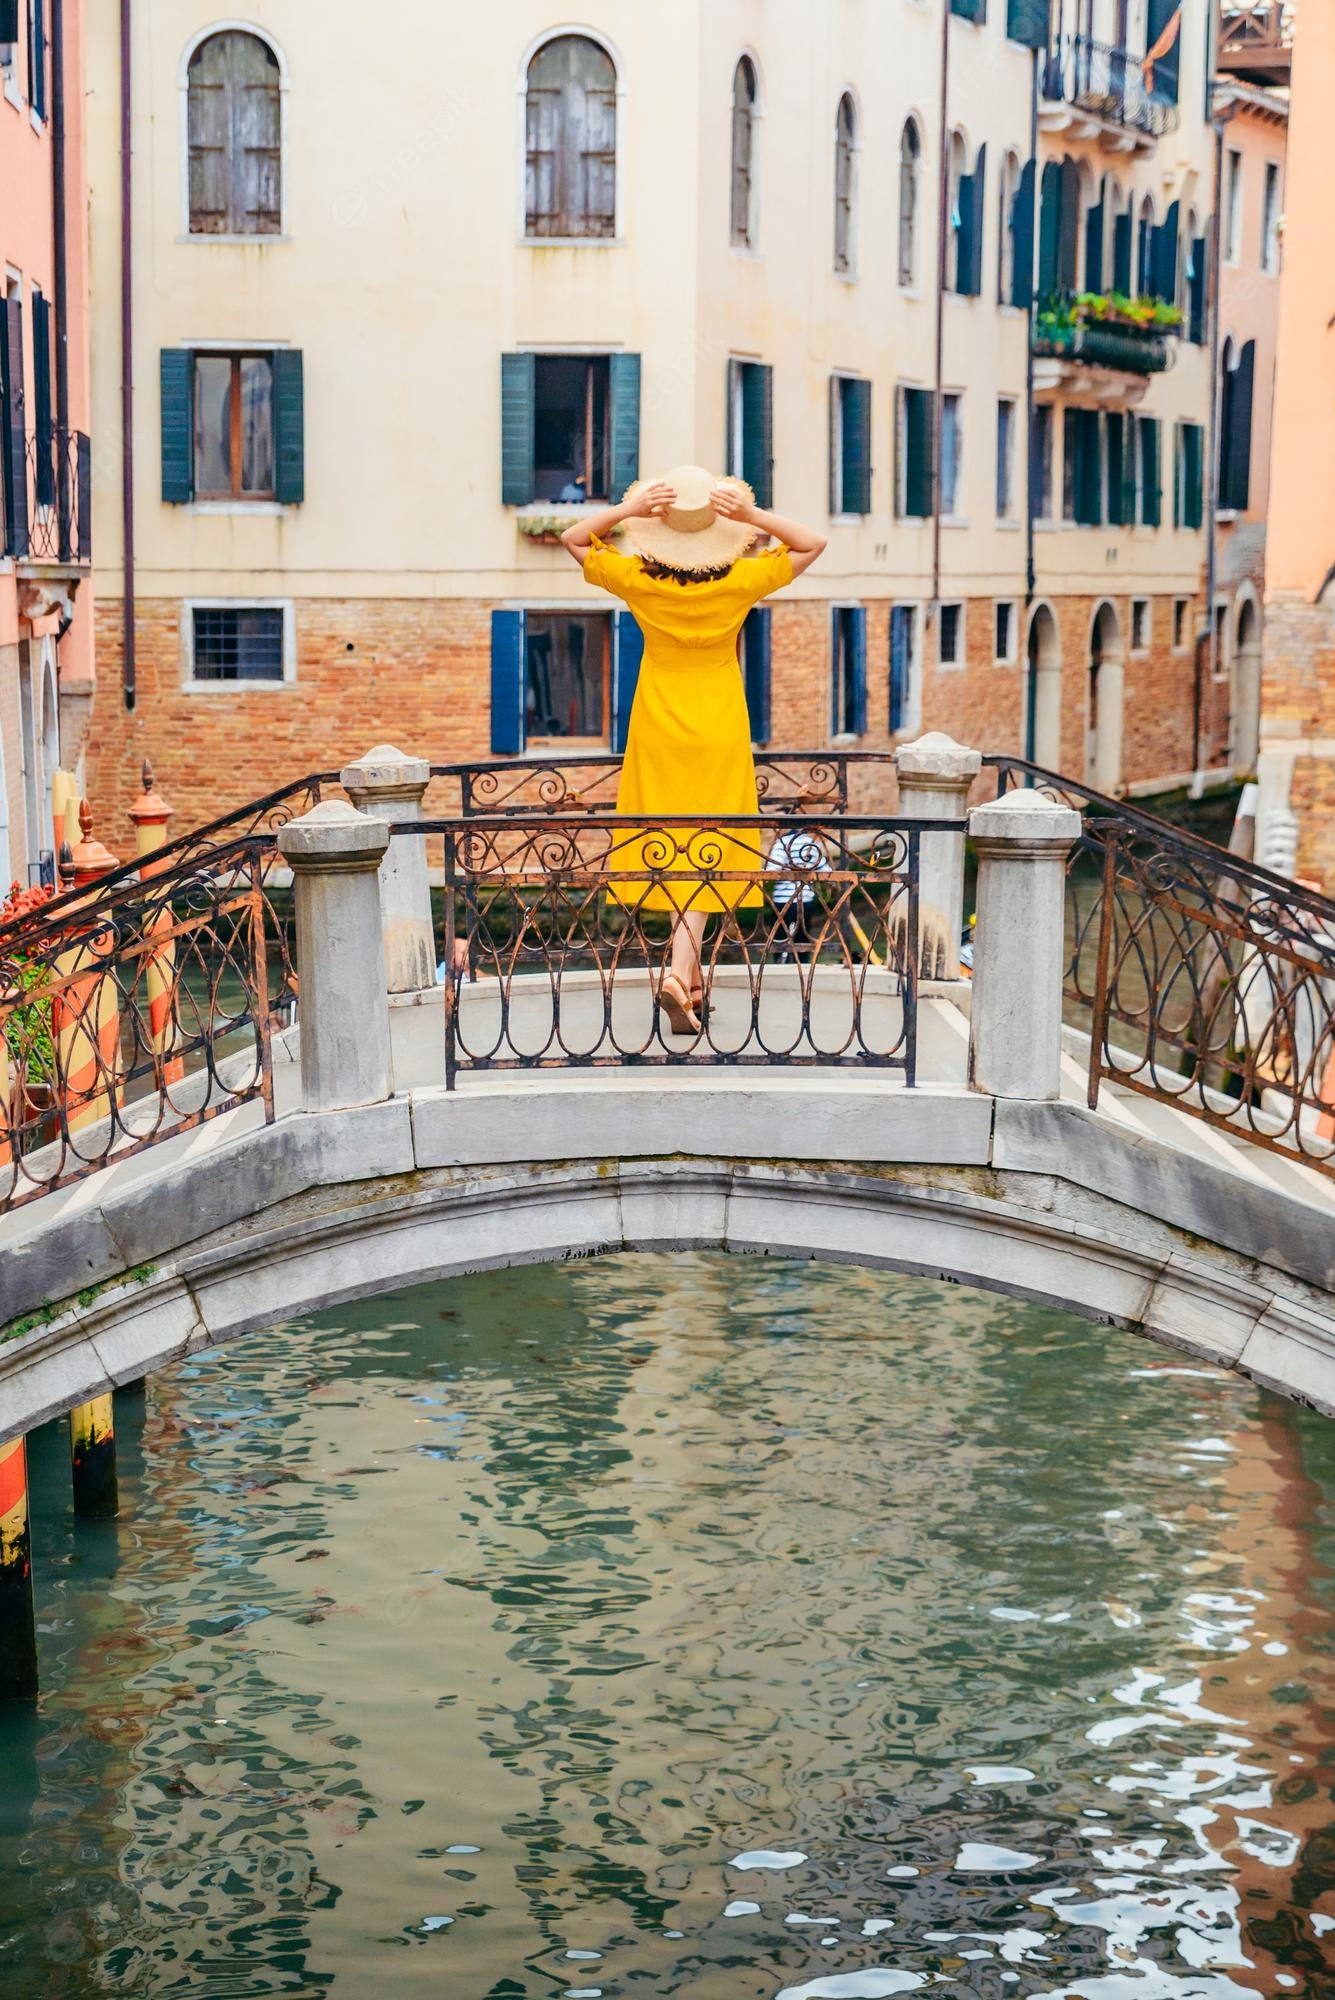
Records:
x=960, y=606
x=1141, y=608
x=235, y=26
x=616, y=240
x=1012, y=653
x=228, y=690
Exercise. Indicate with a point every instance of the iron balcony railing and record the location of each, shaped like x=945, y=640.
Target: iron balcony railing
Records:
x=1108, y=82
x=1096, y=345
x=55, y=523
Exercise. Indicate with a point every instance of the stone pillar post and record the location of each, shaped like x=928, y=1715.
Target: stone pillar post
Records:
x=1019, y=953
x=335, y=853
x=93, y=1459
x=18, y=1631
x=935, y=776
x=389, y=786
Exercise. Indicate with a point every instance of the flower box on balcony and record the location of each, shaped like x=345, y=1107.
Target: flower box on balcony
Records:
x=541, y=524
x=1105, y=330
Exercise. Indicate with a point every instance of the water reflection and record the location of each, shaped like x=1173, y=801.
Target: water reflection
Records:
x=683, y=1625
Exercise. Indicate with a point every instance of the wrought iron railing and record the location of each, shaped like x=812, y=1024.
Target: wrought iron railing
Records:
x=527, y=785
x=557, y=932
x=129, y=1017
x=60, y=499
x=1202, y=978
x=1100, y=346
x=1108, y=82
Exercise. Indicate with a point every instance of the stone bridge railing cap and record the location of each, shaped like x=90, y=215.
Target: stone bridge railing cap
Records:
x=335, y=831
x=939, y=757
x=384, y=768
x=1025, y=815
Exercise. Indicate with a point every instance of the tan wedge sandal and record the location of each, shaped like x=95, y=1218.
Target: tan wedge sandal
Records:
x=676, y=1003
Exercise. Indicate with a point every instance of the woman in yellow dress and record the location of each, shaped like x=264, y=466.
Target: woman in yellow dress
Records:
x=689, y=585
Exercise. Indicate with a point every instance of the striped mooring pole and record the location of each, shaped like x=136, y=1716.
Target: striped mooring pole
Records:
x=18, y=1630
x=93, y=1459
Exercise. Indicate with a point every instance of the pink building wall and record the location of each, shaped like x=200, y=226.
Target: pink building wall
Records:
x=37, y=595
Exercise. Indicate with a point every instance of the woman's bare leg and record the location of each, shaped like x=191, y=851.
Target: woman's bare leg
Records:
x=686, y=940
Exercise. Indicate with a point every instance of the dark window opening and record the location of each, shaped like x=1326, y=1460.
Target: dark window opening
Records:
x=566, y=667
x=948, y=636
x=237, y=643
x=1005, y=633
x=570, y=428
x=848, y=668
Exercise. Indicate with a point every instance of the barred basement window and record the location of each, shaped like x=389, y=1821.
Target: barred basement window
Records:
x=237, y=642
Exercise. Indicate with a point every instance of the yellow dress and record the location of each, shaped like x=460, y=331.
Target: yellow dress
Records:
x=688, y=749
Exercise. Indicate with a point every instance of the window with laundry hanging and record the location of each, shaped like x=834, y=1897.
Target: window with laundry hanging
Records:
x=234, y=121
x=571, y=130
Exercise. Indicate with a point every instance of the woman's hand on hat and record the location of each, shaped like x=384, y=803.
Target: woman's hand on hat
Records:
x=653, y=502
x=732, y=503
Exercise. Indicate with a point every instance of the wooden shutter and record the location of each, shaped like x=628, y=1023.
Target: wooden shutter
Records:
x=1238, y=438
x=1151, y=479
x=918, y=453
x=256, y=192
x=756, y=642
x=857, y=666
x=289, y=426
x=1164, y=259
x=1115, y=433
x=1197, y=292
x=857, y=447
x=627, y=653
x=901, y=663
x=1158, y=14
x=15, y=461
x=570, y=123
x=971, y=272
x=1122, y=229
x=509, y=683
x=1049, y=230
x=1022, y=227
x=623, y=422
x=519, y=394
x=1094, y=248
x=208, y=112
x=9, y=22
x=43, y=439
x=758, y=430
x=1193, y=475
x=1088, y=469
x=1068, y=244
x=177, y=376
x=1027, y=22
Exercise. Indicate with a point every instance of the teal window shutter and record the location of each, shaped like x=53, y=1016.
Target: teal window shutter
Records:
x=1088, y=468
x=1094, y=248
x=857, y=667
x=43, y=436
x=1196, y=292
x=1022, y=225
x=1236, y=471
x=917, y=453
x=1122, y=253
x=177, y=374
x=756, y=642
x=289, y=421
x=964, y=237
x=857, y=446
x=1027, y=22
x=1165, y=255
x=971, y=273
x=969, y=10
x=836, y=444
x=519, y=377
x=1115, y=432
x=13, y=450
x=1151, y=482
x=1049, y=229
x=624, y=421
x=627, y=653
x=509, y=683
x=9, y=22
x=1068, y=246
x=758, y=431
x=1193, y=475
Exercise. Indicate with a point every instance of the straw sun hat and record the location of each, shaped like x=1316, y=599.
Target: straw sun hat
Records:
x=690, y=536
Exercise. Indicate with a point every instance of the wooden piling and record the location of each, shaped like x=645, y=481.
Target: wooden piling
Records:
x=93, y=1459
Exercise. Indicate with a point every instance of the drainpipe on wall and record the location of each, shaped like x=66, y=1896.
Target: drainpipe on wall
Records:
x=1030, y=573
x=60, y=286
x=942, y=239
x=127, y=365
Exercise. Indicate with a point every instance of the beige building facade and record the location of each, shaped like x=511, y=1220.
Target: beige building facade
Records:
x=564, y=251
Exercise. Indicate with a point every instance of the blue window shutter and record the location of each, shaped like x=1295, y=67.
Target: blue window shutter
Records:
x=1094, y=247
x=624, y=421
x=836, y=719
x=858, y=668
x=857, y=446
x=836, y=444
x=177, y=370
x=1236, y=469
x=1049, y=229
x=627, y=653
x=1196, y=293
x=519, y=378
x=1165, y=255
x=509, y=683
x=289, y=423
x=756, y=670
x=1027, y=22
x=1150, y=470
x=1022, y=274
x=1122, y=253
x=901, y=636
x=41, y=400
x=14, y=467
x=758, y=431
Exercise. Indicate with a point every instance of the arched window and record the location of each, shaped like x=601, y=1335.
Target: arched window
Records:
x=910, y=168
x=1010, y=201
x=234, y=119
x=1145, y=249
x=743, y=153
x=572, y=140
x=956, y=169
x=845, y=190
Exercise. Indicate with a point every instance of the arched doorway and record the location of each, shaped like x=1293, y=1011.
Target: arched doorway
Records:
x=1246, y=703
x=1043, y=691
x=1103, y=712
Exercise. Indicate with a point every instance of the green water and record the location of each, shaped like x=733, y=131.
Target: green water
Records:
x=459, y=1644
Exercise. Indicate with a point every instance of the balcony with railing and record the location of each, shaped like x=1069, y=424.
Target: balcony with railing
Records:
x=1093, y=90
x=1103, y=342
x=46, y=501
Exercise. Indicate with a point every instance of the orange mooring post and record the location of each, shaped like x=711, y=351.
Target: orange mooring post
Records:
x=64, y=806
x=86, y=1012
x=151, y=815
x=18, y=1630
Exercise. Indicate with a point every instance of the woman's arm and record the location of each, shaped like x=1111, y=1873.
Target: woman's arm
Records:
x=804, y=544
x=578, y=537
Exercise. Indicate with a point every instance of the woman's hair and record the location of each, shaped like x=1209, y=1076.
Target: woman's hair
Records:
x=683, y=576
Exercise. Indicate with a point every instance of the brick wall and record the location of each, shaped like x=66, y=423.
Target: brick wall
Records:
x=416, y=673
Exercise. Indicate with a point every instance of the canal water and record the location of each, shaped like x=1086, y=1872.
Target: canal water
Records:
x=658, y=1626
